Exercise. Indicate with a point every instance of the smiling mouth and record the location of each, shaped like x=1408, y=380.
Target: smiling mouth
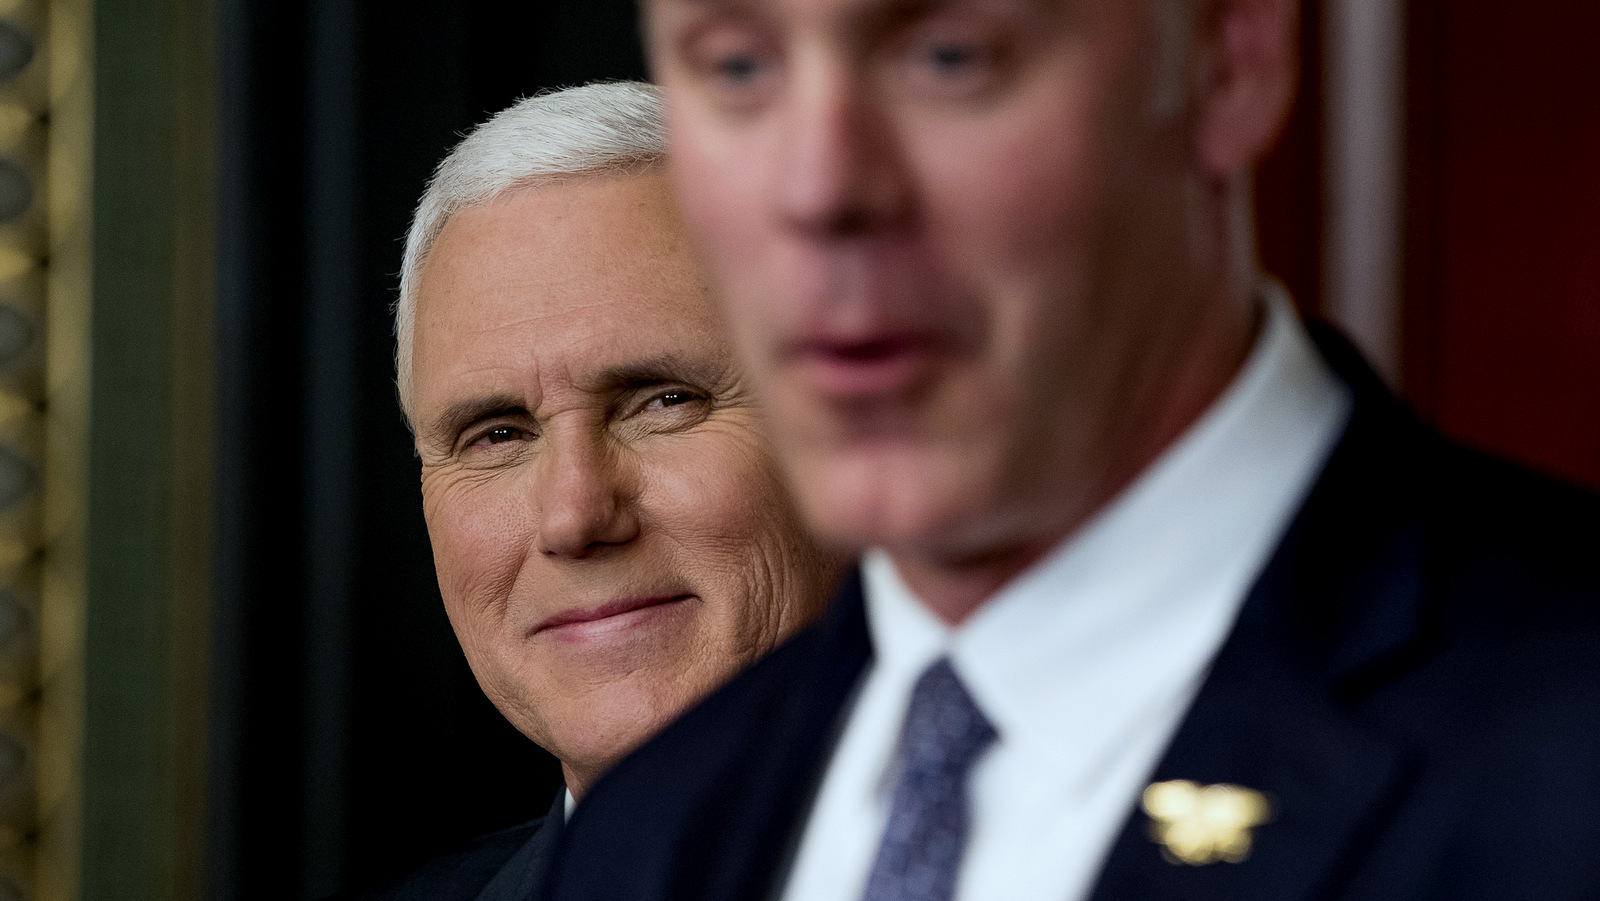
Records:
x=614, y=613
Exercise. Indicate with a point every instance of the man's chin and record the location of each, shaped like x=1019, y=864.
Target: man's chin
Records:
x=605, y=726
x=858, y=501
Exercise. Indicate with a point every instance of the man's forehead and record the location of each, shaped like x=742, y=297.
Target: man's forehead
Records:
x=574, y=287
x=592, y=345
x=559, y=261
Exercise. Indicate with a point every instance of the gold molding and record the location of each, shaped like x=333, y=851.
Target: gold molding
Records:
x=66, y=433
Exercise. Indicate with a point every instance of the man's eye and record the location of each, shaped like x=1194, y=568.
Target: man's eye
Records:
x=661, y=411
x=953, y=66
x=670, y=408
x=502, y=434
x=675, y=402
x=738, y=68
x=732, y=58
x=952, y=59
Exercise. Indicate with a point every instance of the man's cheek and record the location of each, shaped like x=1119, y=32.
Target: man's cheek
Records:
x=472, y=569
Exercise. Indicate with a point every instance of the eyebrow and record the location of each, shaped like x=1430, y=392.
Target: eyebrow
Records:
x=442, y=429
x=710, y=372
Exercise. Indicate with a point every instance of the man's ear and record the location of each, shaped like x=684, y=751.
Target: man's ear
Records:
x=1247, y=68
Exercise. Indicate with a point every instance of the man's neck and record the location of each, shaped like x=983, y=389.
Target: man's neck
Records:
x=954, y=586
x=953, y=591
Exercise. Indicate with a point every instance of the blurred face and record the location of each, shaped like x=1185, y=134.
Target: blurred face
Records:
x=610, y=534
x=956, y=245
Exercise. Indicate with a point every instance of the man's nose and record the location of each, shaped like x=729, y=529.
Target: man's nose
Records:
x=838, y=170
x=585, y=502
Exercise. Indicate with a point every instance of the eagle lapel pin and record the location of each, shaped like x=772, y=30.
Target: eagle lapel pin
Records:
x=1201, y=824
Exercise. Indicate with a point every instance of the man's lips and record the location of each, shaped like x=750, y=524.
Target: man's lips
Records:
x=868, y=367
x=571, y=620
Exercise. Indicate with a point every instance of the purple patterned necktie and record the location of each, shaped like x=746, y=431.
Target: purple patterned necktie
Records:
x=922, y=846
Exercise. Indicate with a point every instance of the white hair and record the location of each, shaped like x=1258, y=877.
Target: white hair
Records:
x=596, y=129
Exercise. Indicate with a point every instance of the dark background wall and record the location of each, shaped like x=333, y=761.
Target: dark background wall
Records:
x=350, y=736
x=1503, y=247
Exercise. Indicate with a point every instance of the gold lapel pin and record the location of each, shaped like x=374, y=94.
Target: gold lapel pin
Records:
x=1201, y=824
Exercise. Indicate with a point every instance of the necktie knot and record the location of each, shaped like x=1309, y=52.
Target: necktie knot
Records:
x=944, y=730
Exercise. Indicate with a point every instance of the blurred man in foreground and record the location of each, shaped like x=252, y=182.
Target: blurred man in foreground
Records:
x=1162, y=595
x=611, y=535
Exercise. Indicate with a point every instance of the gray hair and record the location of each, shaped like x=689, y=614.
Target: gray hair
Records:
x=596, y=129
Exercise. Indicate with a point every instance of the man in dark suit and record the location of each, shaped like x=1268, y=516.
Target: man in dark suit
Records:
x=1162, y=593
x=610, y=528
x=502, y=866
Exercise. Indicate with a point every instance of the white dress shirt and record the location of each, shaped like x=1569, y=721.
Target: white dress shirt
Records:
x=1086, y=663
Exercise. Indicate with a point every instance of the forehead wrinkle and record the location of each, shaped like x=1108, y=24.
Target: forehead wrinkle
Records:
x=585, y=363
x=562, y=337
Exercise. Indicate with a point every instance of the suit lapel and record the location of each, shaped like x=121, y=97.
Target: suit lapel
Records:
x=1340, y=608
x=1330, y=785
x=777, y=788
x=519, y=878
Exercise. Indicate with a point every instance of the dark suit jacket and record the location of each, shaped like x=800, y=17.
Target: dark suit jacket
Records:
x=1414, y=680
x=502, y=866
